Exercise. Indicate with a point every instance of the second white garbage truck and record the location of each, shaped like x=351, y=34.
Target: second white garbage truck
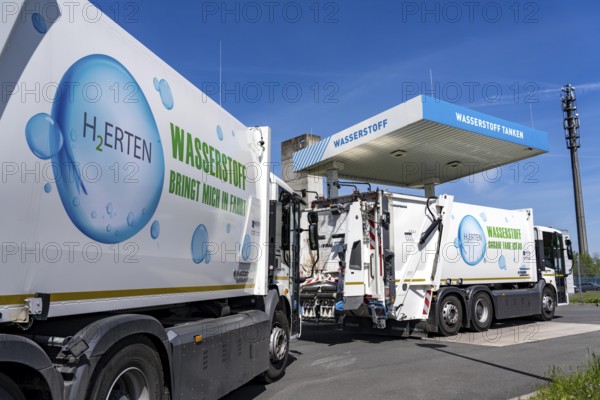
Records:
x=404, y=265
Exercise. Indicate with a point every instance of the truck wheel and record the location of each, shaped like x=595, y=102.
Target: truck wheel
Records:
x=9, y=389
x=132, y=370
x=279, y=347
x=450, y=314
x=482, y=312
x=548, y=304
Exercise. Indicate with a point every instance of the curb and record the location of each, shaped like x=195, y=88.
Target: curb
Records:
x=524, y=396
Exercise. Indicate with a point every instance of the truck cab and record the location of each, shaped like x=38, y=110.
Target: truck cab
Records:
x=554, y=257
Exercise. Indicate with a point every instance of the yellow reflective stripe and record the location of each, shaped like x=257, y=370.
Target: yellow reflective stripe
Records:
x=355, y=283
x=489, y=279
x=111, y=294
x=14, y=299
x=281, y=278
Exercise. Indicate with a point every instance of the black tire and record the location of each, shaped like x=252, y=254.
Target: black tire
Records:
x=548, y=304
x=122, y=370
x=9, y=389
x=482, y=312
x=450, y=315
x=280, y=332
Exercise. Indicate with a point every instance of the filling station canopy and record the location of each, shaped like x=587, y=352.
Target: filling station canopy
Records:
x=423, y=141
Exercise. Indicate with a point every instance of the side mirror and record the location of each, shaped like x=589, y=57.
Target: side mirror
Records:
x=313, y=231
x=313, y=237
x=569, y=249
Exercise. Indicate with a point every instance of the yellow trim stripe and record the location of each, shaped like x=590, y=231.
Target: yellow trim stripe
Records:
x=281, y=278
x=556, y=275
x=354, y=283
x=14, y=299
x=490, y=279
x=111, y=294
x=413, y=280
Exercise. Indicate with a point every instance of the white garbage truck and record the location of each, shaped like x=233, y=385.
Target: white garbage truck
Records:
x=407, y=265
x=146, y=253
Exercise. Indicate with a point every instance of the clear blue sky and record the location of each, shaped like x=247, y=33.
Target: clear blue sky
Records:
x=321, y=66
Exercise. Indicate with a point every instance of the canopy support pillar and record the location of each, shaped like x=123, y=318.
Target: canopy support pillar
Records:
x=429, y=190
x=332, y=178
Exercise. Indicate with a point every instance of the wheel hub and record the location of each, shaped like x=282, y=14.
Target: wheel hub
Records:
x=481, y=311
x=131, y=384
x=278, y=344
x=450, y=313
x=548, y=303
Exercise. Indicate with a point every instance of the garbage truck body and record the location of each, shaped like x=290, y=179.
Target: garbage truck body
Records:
x=145, y=251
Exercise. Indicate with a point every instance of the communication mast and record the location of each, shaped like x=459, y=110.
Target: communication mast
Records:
x=571, y=125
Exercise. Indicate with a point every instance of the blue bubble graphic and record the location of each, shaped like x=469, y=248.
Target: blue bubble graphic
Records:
x=199, y=244
x=43, y=136
x=219, y=132
x=155, y=230
x=232, y=133
x=156, y=83
x=228, y=229
x=483, y=217
x=457, y=243
x=471, y=240
x=86, y=119
x=39, y=23
x=94, y=214
x=246, y=248
x=47, y=188
x=76, y=201
x=502, y=263
x=131, y=219
x=207, y=258
x=166, y=96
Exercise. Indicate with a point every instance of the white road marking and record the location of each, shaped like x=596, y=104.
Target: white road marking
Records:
x=524, y=396
x=335, y=361
x=503, y=336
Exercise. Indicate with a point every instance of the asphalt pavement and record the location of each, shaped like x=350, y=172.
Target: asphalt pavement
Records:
x=511, y=359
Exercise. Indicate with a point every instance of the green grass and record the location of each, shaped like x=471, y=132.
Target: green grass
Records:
x=584, y=383
x=588, y=297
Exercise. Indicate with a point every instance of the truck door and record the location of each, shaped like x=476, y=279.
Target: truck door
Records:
x=554, y=255
x=284, y=251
